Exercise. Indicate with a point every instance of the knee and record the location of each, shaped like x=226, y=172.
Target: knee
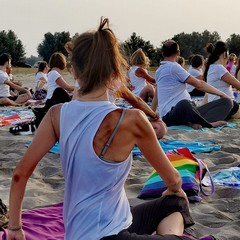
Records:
x=227, y=102
x=184, y=106
x=5, y=102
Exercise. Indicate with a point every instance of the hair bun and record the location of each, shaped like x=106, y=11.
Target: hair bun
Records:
x=209, y=47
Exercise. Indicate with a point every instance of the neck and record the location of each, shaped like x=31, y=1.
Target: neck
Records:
x=171, y=58
x=222, y=61
x=96, y=95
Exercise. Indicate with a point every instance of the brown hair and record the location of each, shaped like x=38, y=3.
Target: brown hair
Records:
x=139, y=58
x=57, y=60
x=96, y=58
x=41, y=66
x=214, y=50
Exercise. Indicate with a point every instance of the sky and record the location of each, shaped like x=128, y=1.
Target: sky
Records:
x=153, y=20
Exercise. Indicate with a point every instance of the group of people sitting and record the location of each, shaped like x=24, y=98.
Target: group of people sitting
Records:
x=96, y=137
x=175, y=87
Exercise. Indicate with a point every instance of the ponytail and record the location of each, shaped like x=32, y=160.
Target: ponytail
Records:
x=96, y=58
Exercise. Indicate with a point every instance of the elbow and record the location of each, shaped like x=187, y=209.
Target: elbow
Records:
x=19, y=176
x=160, y=128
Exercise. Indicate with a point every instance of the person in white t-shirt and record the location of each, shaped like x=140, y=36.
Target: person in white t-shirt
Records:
x=196, y=70
x=173, y=100
x=6, y=98
x=40, y=81
x=143, y=83
x=218, y=76
x=58, y=90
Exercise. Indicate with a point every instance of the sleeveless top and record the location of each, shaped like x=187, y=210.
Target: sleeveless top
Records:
x=138, y=82
x=95, y=202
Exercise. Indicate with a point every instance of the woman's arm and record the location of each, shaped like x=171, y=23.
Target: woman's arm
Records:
x=18, y=88
x=41, y=83
x=44, y=139
x=135, y=101
x=205, y=87
x=63, y=84
x=141, y=73
x=159, y=126
x=155, y=101
x=231, y=80
x=152, y=151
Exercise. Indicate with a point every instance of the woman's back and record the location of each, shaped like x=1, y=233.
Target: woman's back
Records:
x=84, y=130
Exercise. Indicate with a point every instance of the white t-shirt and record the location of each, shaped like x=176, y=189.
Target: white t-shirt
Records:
x=171, y=87
x=195, y=73
x=38, y=76
x=52, y=76
x=4, y=88
x=215, y=73
x=138, y=82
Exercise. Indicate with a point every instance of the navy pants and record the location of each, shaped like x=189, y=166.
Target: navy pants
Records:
x=186, y=112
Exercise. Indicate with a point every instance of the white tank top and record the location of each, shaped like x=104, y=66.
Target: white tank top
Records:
x=138, y=82
x=95, y=202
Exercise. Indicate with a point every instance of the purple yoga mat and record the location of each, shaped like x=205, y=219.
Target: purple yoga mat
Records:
x=42, y=223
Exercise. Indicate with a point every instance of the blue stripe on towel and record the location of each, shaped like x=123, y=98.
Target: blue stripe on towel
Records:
x=194, y=147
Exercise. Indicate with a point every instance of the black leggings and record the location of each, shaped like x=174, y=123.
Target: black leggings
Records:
x=59, y=96
x=148, y=215
x=186, y=112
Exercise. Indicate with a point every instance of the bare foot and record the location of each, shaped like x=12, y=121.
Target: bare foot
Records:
x=219, y=124
x=195, y=126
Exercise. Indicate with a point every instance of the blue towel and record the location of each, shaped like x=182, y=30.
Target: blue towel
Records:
x=54, y=149
x=194, y=147
x=188, y=129
x=226, y=177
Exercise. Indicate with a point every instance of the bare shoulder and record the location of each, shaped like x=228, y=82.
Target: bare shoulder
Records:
x=54, y=113
x=135, y=113
x=136, y=117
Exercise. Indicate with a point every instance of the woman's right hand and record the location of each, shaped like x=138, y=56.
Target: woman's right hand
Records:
x=180, y=193
x=16, y=235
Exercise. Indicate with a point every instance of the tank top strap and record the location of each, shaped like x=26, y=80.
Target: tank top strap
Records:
x=112, y=135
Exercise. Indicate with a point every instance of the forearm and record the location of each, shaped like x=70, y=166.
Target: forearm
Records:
x=17, y=190
x=210, y=89
x=138, y=103
x=176, y=185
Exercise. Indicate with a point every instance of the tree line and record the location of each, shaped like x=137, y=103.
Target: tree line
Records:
x=190, y=43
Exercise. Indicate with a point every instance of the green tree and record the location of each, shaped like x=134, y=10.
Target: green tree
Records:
x=9, y=43
x=135, y=42
x=195, y=43
x=53, y=43
x=233, y=44
x=32, y=59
